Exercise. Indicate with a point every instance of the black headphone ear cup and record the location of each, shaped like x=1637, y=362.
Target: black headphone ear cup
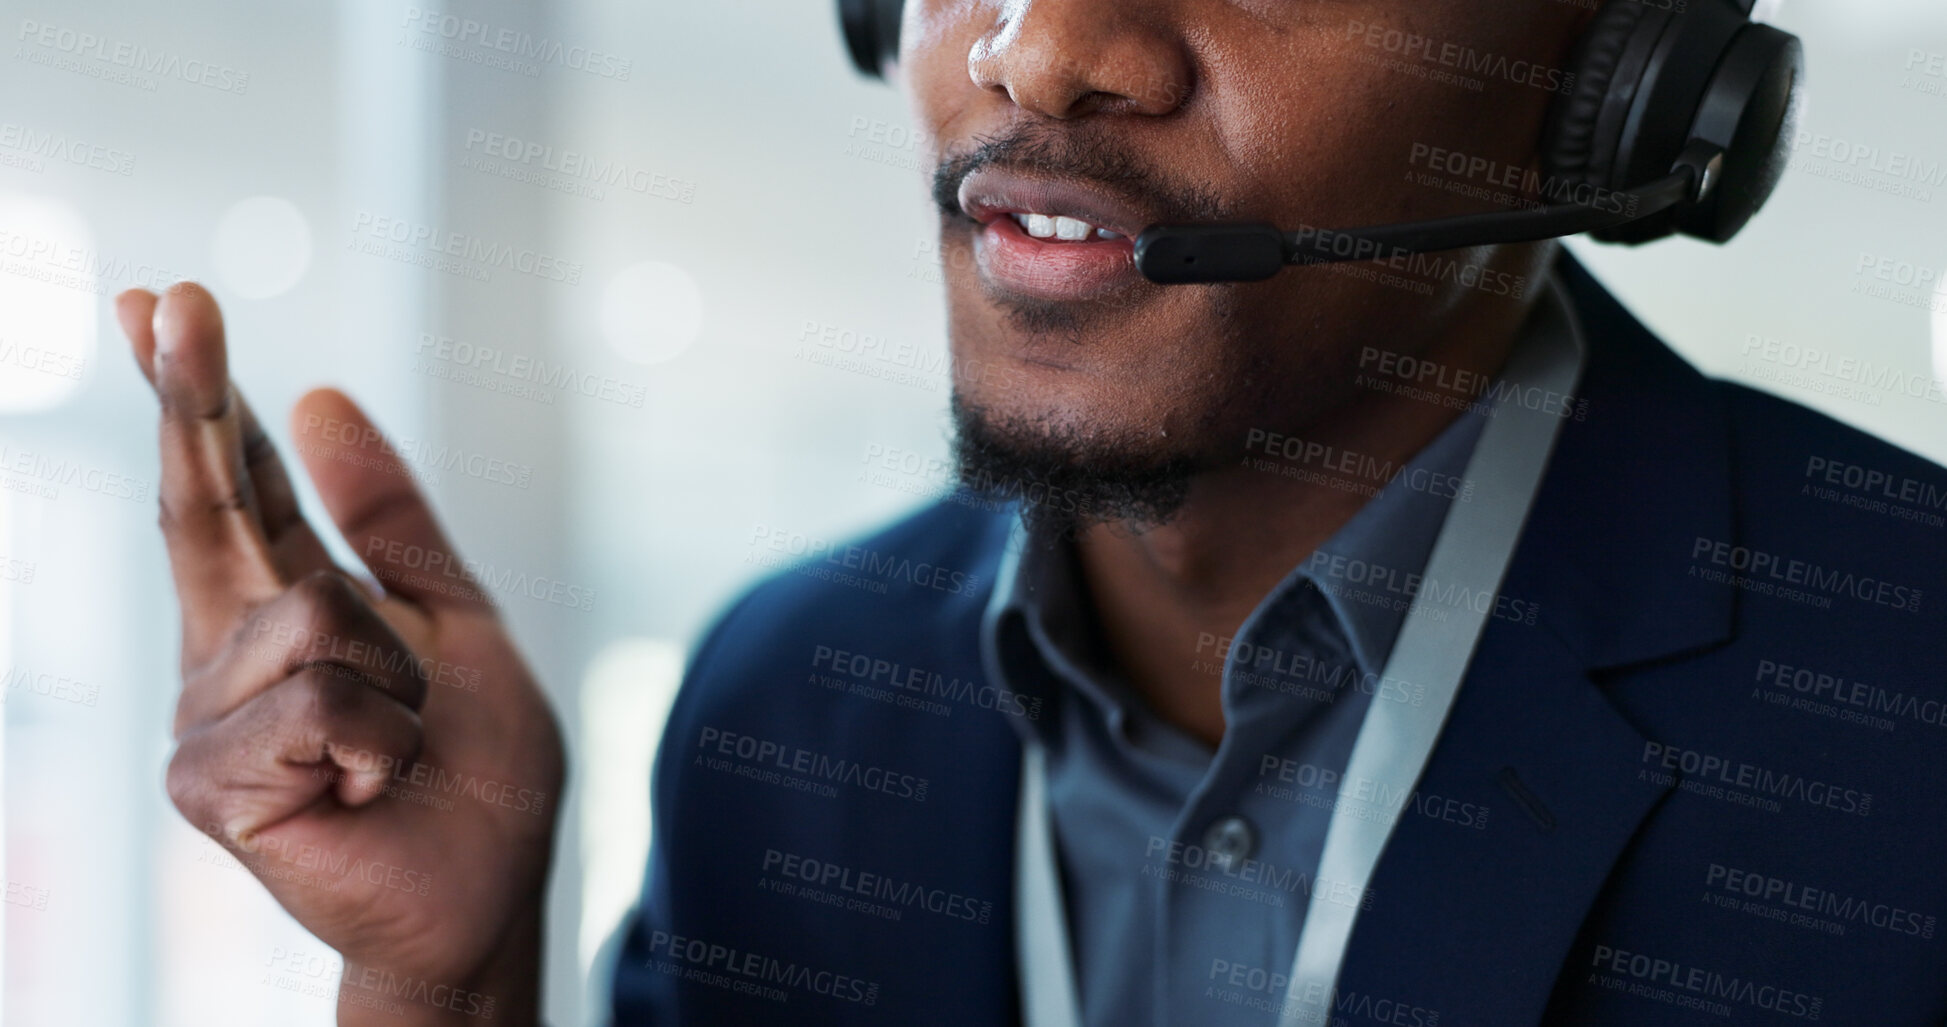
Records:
x=871, y=30
x=1572, y=151
x=1748, y=111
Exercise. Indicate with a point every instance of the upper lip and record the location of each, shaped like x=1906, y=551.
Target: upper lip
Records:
x=990, y=193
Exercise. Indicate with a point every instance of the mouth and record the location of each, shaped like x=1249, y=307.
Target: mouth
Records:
x=1050, y=239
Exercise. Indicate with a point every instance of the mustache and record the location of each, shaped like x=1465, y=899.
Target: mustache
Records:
x=1090, y=154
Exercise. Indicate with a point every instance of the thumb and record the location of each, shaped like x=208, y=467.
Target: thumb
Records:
x=377, y=506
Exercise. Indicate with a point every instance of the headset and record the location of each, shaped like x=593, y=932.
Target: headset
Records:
x=1682, y=110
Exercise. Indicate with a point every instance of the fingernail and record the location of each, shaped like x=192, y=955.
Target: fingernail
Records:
x=244, y=836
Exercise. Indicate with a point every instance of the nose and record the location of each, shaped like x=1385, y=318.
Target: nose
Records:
x=1069, y=58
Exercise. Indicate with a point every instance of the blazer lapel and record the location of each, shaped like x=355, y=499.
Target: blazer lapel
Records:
x=1474, y=922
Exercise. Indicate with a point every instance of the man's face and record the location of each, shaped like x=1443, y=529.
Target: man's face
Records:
x=1079, y=116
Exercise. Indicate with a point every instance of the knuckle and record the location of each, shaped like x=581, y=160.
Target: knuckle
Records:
x=257, y=448
x=187, y=711
x=261, y=634
x=181, y=723
x=189, y=790
x=193, y=517
x=327, y=700
x=357, y=759
x=231, y=500
x=327, y=600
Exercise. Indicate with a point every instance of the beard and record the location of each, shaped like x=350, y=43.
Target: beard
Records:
x=1075, y=469
x=1066, y=478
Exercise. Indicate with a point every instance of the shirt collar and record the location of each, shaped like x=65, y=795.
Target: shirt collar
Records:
x=1390, y=537
x=1037, y=597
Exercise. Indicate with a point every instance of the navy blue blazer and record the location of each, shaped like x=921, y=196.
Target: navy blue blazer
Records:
x=1714, y=761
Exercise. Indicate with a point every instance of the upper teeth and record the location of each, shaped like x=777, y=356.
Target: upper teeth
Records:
x=1067, y=229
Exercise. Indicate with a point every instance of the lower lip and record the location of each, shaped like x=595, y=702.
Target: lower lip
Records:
x=1011, y=259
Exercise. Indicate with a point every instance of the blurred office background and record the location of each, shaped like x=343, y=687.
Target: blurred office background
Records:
x=732, y=211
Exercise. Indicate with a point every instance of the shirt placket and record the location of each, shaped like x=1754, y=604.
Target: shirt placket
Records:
x=1259, y=848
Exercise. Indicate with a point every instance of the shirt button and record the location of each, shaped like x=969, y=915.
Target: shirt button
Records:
x=1229, y=841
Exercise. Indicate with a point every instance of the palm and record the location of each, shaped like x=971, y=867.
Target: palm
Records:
x=467, y=857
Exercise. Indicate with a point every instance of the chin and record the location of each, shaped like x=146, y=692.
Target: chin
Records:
x=1069, y=466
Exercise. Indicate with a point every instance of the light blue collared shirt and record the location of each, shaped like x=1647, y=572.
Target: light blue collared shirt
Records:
x=1187, y=872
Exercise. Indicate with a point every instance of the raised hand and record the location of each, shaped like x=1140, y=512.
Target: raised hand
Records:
x=384, y=763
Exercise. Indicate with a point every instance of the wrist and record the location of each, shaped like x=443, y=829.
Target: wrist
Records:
x=505, y=990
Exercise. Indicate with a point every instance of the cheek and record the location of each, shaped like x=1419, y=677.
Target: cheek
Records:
x=1312, y=148
x=934, y=42
x=1331, y=144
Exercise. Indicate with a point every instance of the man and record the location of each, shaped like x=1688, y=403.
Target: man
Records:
x=1685, y=776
